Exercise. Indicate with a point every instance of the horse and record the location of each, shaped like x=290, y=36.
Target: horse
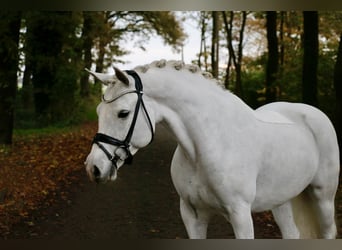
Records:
x=230, y=160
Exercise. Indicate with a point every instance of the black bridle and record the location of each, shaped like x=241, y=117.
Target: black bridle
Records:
x=124, y=145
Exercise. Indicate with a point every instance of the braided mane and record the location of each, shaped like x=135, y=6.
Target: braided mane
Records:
x=177, y=65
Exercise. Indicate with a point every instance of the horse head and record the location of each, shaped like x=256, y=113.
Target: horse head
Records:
x=125, y=124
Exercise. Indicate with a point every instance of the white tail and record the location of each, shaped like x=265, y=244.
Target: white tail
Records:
x=305, y=216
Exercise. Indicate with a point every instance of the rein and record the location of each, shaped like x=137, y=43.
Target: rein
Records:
x=124, y=145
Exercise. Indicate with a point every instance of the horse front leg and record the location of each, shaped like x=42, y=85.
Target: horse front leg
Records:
x=195, y=220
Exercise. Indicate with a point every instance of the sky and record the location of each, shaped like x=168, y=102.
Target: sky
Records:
x=155, y=49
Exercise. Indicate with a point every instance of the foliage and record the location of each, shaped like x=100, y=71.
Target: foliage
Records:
x=326, y=90
x=254, y=79
x=50, y=48
x=37, y=169
x=59, y=45
x=289, y=77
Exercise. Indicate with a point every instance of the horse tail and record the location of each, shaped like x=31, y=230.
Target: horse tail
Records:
x=305, y=216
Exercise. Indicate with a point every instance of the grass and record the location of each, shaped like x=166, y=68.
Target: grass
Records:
x=88, y=114
x=53, y=129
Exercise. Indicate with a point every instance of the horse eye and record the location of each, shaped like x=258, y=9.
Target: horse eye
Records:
x=123, y=113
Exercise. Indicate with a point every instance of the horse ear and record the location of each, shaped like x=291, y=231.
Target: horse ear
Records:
x=104, y=78
x=121, y=76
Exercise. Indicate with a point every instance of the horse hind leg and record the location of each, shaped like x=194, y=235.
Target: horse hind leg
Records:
x=283, y=215
x=311, y=214
x=323, y=187
x=322, y=191
x=323, y=200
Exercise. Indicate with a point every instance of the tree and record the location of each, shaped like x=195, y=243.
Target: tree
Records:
x=203, y=47
x=88, y=31
x=338, y=90
x=310, y=58
x=236, y=57
x=215, y=45
x=9, y=39
x=59, y=45
x=102, y=32
x=98, y=33
x=228, y=25
x=282, y=45
x=27, y=93
x=273, y=55
x=51, y=48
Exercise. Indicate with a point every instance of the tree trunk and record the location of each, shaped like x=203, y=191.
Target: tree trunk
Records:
x=103, y=42
x=282, y=43
x=273, y=55
x=9, y=39
x=27, y=99
x=228, y=26
x=206, y=64
x=215, y=45
x=238, y=83
x=227, y=78
x=27, y=89
x=100, y=63
x=87, y=46
x=203, y=48
x=283, y=15
x=310, y=58
x=338, y=89
x=235, y=58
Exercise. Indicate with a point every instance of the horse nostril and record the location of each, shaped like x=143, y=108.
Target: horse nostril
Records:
x=96, y=172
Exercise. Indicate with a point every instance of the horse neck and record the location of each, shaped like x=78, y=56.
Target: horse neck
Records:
x=194, y=109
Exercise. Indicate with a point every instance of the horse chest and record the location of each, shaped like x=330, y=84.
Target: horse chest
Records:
x=192, y=185
x=194, y=189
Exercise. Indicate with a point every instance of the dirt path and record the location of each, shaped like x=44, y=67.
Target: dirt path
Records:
x=142, y=203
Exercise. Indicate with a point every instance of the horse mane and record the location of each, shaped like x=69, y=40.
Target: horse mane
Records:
x=177, y=65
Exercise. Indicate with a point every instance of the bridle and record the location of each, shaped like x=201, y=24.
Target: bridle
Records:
x=124, y=145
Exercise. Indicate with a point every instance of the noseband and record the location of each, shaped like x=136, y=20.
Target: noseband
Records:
x=100, y=138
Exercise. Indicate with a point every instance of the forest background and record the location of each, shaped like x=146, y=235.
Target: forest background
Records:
x=298, y=57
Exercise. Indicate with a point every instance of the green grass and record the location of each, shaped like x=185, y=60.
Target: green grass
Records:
x=27, y=126
x=53, y=129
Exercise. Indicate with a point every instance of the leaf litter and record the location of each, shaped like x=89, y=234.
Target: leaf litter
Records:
x=37, y=169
